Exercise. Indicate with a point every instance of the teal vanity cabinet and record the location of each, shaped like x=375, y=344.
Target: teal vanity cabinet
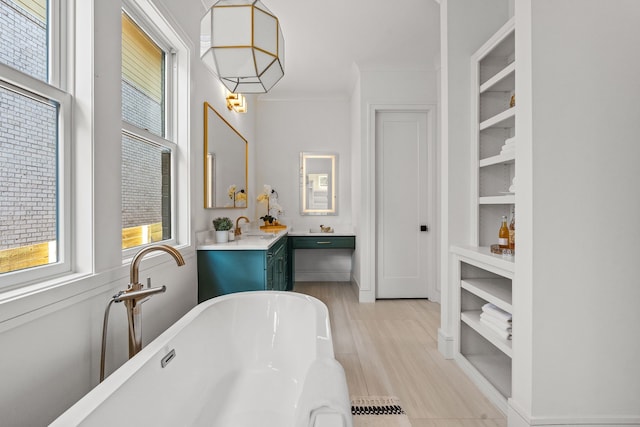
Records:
x=314, y=241
x=224, y=271
x=277, y=266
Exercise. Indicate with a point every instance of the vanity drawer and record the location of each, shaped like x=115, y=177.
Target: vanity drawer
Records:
x=323, y=242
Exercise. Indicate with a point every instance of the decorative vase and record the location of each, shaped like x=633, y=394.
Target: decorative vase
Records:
x=222, y=236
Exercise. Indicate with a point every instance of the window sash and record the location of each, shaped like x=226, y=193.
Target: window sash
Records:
x=169, y=110
x=155, y=34
x=144, y=135
x=26, y=85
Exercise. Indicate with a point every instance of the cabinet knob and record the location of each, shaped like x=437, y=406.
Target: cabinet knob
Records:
x=424, y=228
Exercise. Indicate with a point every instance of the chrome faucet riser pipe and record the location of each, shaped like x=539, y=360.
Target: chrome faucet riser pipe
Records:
x=134, y=310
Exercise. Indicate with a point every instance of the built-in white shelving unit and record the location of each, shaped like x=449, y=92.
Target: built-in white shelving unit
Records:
x=493, y=74
x=481, y=277
x=485, y=356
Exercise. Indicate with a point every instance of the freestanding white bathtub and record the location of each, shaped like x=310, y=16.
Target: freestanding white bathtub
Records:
x=251, y=359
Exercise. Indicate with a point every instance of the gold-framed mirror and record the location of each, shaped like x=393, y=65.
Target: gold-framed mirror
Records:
x=318, y=183
x=225, y=163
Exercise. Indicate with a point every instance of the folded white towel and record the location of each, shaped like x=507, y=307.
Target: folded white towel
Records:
x=500, y=324
x=511, y=140
x=496, y=312
x=496, y=330
x=512, y=188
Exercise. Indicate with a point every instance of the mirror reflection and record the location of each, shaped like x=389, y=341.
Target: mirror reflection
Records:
x=225, y=163
x=318, y=184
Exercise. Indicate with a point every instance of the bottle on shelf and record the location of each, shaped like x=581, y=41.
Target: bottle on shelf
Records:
x=503, y=234
x=512, y=231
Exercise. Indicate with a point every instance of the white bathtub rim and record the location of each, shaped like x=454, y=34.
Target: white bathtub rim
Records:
x=159, y=347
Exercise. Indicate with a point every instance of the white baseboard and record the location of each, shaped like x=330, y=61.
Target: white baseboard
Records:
x=445, y=344
x=364, y=296
x=518, y=417
x=355, y=285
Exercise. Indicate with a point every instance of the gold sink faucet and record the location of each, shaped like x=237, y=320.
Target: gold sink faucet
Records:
x=238, y=231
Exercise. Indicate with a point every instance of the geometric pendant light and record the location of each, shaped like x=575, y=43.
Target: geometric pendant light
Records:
x=241, y=41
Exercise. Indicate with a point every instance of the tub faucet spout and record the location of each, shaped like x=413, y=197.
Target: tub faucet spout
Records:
x=135, y=262
x=135, y=295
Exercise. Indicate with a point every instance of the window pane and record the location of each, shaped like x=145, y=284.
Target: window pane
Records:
x=23, y=38
x=143, y=95
x=28, y=181
x=146, y=192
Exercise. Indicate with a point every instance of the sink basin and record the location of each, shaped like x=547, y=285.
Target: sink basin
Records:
x=247, y=236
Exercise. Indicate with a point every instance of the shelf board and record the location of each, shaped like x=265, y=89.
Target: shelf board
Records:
x=497, y=291
x=501, y=44
x=505, y=119
x=481, y=257
x=503, y=81
x=472, y=318
x=508, y=199
x=499, y=159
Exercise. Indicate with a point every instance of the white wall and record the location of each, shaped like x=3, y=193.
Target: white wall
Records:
x=286, y=127
x=356, y=176
x=50, y=338
x=583, y=174
x=465, y=26
x=387, y=89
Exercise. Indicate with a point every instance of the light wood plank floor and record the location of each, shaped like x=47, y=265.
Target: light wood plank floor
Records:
x=390, y=348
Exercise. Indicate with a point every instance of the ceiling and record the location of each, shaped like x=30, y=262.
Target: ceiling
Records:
x=325, y=39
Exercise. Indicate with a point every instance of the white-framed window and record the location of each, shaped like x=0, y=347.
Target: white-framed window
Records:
x=154, y=123
x=35, y=129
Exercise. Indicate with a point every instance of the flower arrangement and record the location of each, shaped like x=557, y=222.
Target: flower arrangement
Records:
x=222, y=223
x=270, y=196
x=237, y=196
x=241, y=196
x=231, y=191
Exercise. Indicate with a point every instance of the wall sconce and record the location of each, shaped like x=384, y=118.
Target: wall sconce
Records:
x=241, y=41
x=236, y=102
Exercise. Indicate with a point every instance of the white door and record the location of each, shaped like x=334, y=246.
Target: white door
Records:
x=402, y=206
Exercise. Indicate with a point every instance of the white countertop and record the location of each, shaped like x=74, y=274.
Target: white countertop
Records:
x=308, y=232
x=255, y=240
x=251, y=241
